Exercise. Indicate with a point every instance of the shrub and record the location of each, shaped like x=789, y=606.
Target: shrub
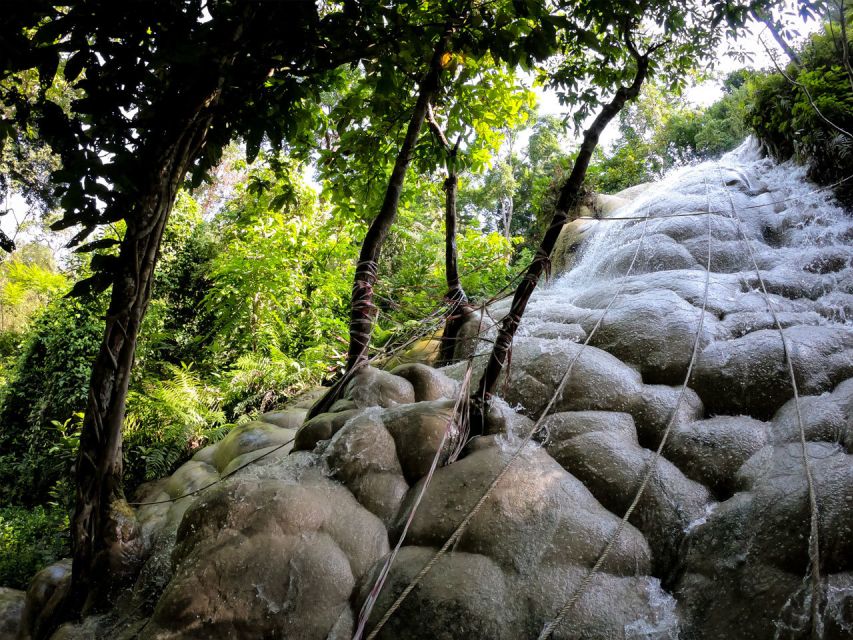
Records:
x=47, y=385
x=30, y=539
x=788, y=125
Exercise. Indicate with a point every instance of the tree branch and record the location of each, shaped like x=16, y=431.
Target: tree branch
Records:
x=436, y=129
x=771, y=27
x=806, y=91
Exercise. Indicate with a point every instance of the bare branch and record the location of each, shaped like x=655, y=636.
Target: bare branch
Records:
x=436, y=129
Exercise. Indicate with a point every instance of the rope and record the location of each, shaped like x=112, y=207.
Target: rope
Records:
x=814, y=541
x=217, y=481
x=463, y=525
x=461, y=401
x=650, y=468
x=373, y=596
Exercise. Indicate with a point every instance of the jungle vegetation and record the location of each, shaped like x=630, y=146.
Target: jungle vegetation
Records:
x=220, y=205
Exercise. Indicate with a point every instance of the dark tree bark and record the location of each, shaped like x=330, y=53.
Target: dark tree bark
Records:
x=774, y=31
x=103, y=529
x=362, y=310
x=567, y=202
x=460, y=309
x=455, y=295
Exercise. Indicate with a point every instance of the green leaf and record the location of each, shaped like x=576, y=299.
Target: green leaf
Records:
x=103, y=243
x=92, y=285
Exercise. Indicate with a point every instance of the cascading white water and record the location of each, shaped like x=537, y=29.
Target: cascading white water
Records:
x=780, y=208
x=714, y=546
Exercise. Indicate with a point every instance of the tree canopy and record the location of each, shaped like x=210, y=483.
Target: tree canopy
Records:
x=110, y=111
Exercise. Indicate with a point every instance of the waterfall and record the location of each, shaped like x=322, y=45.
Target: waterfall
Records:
x=782, y=211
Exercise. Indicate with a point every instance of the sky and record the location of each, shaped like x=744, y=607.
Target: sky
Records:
x=701, y=95
x=726, y=61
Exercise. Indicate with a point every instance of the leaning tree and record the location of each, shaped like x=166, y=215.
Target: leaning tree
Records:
x=418, y=74
x=608, y=50
x=162, y=87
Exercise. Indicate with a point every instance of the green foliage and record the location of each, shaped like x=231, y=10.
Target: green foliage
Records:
x=30, y=539
x=174, y=330
x=660, y=131
x=29, y=279
x=47, y=385
x=415, y=284
x=521, y=180
x=255, y=383
x=280, y=280
x=783, y=119
x=167, y=420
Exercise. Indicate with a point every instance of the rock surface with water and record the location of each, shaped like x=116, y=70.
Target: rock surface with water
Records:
x=662, y=354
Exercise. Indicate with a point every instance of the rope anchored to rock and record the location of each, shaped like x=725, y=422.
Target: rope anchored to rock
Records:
x=814, y=541
x=463, y=525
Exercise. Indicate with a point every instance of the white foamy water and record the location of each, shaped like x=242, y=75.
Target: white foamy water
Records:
x=779, y=208
x=798, y=236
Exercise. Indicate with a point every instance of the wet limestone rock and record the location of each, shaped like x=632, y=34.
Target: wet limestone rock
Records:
x=363, y=456
x=601, y=449
x=711, y=451
x=419, y=432
x=290, y=418
x=11, y=611
x=655, y=331
x=745, y=565
x=255, y=554
x=371, y=387
x=249, y=437
x=575, y=232
x=514, y=566
x=464, y=596
x=658, y=252
x=824, y=419
x=321, y=427
x=537, y=515
x=748, y=375
x=427, y=383
x=599, y=382
x=45, y=594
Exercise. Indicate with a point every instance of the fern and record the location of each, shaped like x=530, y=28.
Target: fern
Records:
x=168, y=420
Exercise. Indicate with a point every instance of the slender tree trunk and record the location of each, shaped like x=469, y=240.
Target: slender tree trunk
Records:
x=455, y=295
x=506, y=215
x=568, y=200
x=455, y=292
x=774, y=31
x=362, y=310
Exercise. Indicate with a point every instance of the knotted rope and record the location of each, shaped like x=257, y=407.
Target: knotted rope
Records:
x=463, y=525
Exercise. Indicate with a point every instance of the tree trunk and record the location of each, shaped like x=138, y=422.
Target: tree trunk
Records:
x=506, y=216
x=104, y=534
x=771, y=27
x=455, y=295
x=362, y=310
x=567, y=202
